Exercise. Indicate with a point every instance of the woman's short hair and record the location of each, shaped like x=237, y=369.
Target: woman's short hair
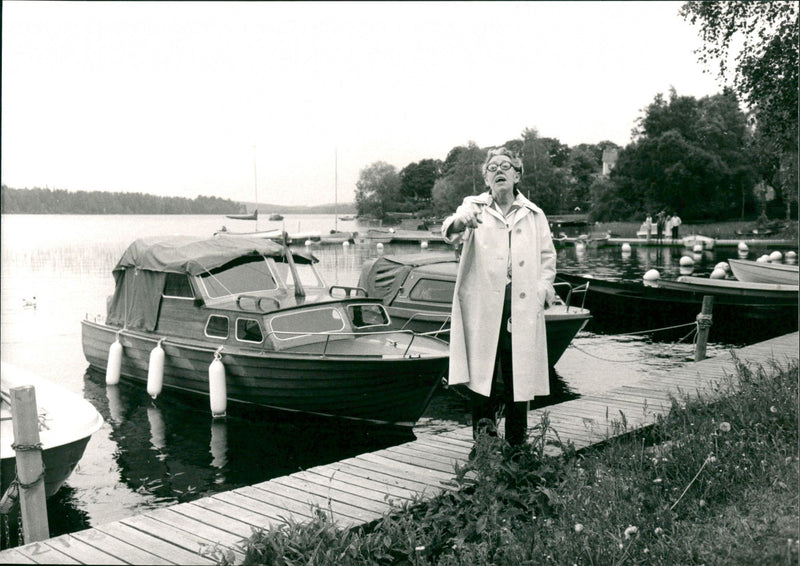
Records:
x=516, y=161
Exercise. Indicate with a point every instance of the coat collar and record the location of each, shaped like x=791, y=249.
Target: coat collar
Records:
x=486, y=199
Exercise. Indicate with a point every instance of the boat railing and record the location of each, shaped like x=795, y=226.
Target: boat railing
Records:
x=430, y=317
x=289, y=334
x=584, y=288
x=348, y=291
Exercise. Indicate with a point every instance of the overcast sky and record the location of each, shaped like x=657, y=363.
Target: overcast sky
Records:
x=188, y=99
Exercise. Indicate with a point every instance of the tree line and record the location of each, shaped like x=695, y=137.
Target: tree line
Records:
x=60, y=201
x=704, y=159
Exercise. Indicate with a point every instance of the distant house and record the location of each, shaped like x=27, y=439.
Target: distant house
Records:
x=609, y=160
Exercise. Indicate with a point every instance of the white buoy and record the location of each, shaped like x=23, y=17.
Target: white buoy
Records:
x=791, y=257
x=379, y=246
x=217, y=388
x=155, y=371
x=743, y=247
x=308, y=243
x=626, y=248
x=686, y=261
x=651, y=276
x=697, y=248
x=763, y=259
x=718, y=274
x=346, y=244
x=723, y=265
x=776, y=257
x=114, y=365
x=424, y=244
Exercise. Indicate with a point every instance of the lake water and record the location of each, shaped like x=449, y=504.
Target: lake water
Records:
x=152, y=454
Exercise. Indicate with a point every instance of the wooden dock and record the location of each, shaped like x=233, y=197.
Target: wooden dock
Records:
x=359, y=489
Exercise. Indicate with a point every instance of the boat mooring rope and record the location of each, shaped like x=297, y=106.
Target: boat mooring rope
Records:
x=695, y=325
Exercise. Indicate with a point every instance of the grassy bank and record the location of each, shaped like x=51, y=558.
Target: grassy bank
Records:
x=712, y=482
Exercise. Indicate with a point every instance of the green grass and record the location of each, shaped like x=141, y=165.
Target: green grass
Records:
x=712, y=482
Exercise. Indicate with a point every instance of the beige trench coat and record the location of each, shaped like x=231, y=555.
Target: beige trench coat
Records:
x=480, y=291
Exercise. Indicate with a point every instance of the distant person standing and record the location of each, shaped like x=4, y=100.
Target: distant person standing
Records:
x=676, y=223
x=647, y=226
x=498, y=345
x=660, y=222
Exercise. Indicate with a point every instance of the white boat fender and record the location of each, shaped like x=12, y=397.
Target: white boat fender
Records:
x=626, y=248
x=776, y=257
x=723, y=265
x=217, y=389
x=742, y=247
x=686, y=261
x=718, y=273
x=763, y=259
x=791, y=257
x=155, y=371
x=697, y=248
x=114, y=365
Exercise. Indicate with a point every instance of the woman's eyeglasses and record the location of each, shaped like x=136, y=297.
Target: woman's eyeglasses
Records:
x=504, y=166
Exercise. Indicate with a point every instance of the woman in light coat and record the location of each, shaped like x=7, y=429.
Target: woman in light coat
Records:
x=498, y=345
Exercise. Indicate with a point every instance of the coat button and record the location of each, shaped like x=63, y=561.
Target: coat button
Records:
x=519, y=230
x=521, y=263
x=522, y=295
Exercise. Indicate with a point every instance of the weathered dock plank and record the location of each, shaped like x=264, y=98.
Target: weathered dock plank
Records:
x=362, y=488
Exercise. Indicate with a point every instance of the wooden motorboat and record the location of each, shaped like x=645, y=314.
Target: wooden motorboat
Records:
x=417, y=290
x=764, y=272
x=742, y=313
x=285, y=339
x=66, y=424
x=275, y=217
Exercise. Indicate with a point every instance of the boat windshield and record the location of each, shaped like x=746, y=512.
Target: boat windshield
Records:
x=248, y=275
x=308, y=275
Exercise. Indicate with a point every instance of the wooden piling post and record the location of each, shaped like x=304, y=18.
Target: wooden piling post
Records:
x=703, y=324
x=30, y=469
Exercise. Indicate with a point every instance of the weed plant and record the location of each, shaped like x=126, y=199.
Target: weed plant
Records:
x=714, y=481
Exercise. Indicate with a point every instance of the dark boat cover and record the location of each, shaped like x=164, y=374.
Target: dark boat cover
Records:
x=142, y=270
x=383, y=277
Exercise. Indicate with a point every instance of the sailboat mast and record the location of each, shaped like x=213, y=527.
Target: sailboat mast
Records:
x=336, y=189
x=255, y=184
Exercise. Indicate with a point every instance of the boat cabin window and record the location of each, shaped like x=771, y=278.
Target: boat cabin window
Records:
x=433, y=290
x=244, y=275
x=217, y=326
x=178, y=285
x=248, y=330
x=367, y=315
x=290, y=325
x=308, y=275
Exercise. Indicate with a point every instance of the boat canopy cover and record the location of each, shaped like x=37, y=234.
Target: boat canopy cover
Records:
x=383, y=277
x=142, y=270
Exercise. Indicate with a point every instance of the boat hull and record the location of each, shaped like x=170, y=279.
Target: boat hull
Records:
x=757, y=272
x=66, y=424
x=737, y=317
x=382, y=389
